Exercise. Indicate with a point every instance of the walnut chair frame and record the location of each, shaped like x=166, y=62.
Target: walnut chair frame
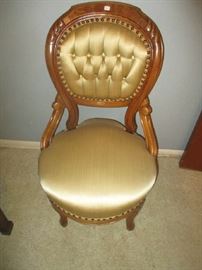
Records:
x=135, y=20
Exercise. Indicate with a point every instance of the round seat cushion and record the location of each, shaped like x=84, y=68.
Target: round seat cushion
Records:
x=97, y=170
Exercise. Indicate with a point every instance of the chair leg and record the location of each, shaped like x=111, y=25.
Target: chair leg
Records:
x=130, y=224
x=130, y=218
x=63, y=220
x=63, y=217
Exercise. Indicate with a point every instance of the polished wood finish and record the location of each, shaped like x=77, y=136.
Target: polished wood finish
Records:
x=148, y=128
x=6, y=225
x=63, y=221
x=192, y=157
x=130, y=217
x=134, y=17
x=58, y=109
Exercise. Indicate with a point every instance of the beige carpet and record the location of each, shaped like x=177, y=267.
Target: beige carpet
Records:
x=168, y=234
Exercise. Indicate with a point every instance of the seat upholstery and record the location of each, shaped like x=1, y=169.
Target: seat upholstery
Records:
x=97, y=170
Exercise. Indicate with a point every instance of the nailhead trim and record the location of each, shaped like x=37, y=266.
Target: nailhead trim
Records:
x=115, y=21
x=97, y=219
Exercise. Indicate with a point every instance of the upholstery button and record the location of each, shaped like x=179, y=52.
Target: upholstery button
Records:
x=73, y=55
x=118, y=55
x=88, y=55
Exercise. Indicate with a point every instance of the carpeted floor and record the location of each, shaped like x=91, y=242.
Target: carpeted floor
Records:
x=168, y=234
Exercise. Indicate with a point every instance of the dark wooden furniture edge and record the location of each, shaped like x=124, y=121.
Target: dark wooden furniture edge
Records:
x=6, y=225
x=192, y=156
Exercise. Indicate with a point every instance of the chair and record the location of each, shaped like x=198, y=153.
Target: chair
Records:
x=101, y=54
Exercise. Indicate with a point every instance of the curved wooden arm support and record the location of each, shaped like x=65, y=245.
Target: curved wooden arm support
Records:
x=49, y=132
x=130, y=116
x=147, y=125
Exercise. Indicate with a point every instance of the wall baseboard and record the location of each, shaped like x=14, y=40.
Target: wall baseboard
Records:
x=19, y=144
x=170, y=153
x=36, y=145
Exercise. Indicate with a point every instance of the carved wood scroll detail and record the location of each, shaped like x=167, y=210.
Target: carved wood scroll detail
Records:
x=58, y=27
x=147, y=125
x=151, y=28
x=58, y=109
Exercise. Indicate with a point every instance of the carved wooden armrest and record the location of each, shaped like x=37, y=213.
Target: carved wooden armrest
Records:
x=147, y=125
x=49, y=132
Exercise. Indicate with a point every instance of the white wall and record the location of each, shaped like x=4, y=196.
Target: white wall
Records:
x=26, y=91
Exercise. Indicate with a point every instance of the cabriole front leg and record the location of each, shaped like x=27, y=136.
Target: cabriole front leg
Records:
x=130, y=224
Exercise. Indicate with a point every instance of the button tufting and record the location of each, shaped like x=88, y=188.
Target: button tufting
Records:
x=104, y=60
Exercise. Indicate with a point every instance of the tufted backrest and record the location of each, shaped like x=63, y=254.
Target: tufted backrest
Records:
x=104, y=54
x=103, y=60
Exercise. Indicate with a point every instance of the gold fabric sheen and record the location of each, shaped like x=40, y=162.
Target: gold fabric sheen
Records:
x=97, y=170
x=102, y=60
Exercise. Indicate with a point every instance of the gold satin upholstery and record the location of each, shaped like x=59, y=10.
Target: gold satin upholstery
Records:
x=103, y=60
x=97, y=170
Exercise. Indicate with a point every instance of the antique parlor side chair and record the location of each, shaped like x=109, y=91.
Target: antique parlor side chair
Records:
x=102, y=54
